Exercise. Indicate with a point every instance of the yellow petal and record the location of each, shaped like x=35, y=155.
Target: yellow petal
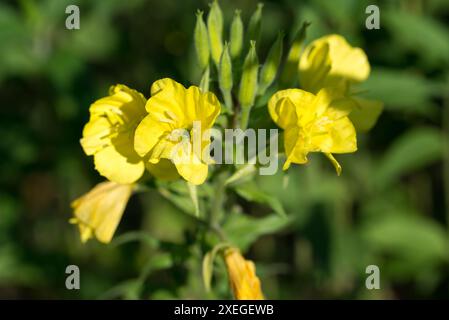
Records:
x=118, y=163
x=109, y=134
x=338, y=137
x=347, y=62
x=242, y=276
x=173, y=104
x=295, y=150
x=330, y=61
x=99, y=211
x=282, y=105
x=163, y=170
x=314, y=66
x=148, y=133
x=96, y=135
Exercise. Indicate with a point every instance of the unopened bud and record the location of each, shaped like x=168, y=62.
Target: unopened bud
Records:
x=255, y=24
x=236, y=36
x=225, y=70
x=291, y=65
x=271, y=65
x=201, y=41
x=215, y=29
x=225, y=77
x=248, y=83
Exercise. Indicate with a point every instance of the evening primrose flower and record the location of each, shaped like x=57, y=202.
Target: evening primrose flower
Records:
x=313, y=123
x=108, y=135
x=168, y=131
x=331, y=61
x=98, y=212
x=242, y=276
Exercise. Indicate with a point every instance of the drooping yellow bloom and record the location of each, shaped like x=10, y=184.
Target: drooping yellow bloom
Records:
x=313, y=123
x=169, y=132
x=109, y=134
x=99, y=211
x=331, y=61
x=242, y=276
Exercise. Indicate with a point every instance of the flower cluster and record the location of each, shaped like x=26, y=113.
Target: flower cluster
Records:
x=310, y=97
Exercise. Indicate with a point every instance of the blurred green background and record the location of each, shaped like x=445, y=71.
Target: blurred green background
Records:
x=390, y=207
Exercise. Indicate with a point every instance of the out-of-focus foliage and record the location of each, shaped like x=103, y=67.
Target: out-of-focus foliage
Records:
x=390, y=207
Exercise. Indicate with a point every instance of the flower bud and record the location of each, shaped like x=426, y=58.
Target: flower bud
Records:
x=215, y=29
x=271, y=65
x=291, y=64
x=236, y=36
x=225, y=76
x=201, y=41
x=225, y=70
x=255, y=24
x=248, y=83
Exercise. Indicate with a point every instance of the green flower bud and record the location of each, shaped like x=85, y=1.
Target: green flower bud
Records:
x=248, y=83
x=215, y=28
x=225, y=76
x=201, y=41
x=225, y=69
x=255, y=24
x=271, y=65
x=291, y=65
x=236, y=36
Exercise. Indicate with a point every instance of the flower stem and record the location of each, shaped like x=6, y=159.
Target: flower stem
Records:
x=244, y=117
x=204, y=83
x=446, y=155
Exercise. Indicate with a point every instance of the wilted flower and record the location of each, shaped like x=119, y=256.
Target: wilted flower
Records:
x=167, y=131
x=313, y=123
x=242, y=276
x=99, y=211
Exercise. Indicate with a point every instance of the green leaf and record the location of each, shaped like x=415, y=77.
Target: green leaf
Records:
x=419, y=34
x=393, y=88
x=135, y=236
x=243, y=230
x=365, y=115
x=251, y=192
x=242, y=174
x=182, y=202
x=412, y=241
x=415, y=149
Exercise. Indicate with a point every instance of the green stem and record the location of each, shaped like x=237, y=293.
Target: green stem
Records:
x=244, y=117
x=204, y=83
x=446, y=155
x=228, y=100
x=194, y=196
x=216, y=212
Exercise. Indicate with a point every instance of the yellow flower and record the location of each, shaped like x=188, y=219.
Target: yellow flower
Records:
x=313, y=123
x=99, y=211
x=169, y=132
x=331, y=61
x=109, y=137
x=109, y=134
x=242, y=276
